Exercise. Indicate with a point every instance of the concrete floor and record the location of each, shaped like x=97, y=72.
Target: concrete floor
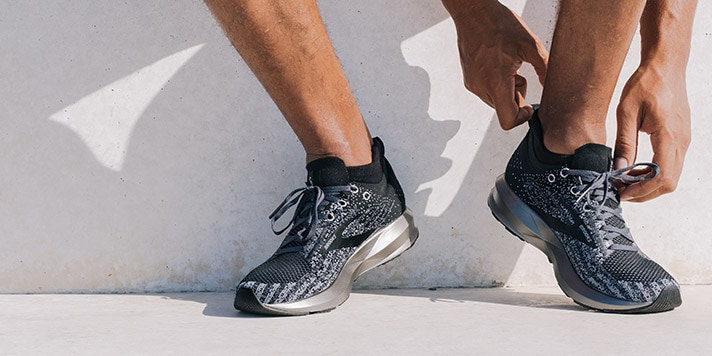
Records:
x=445, y=321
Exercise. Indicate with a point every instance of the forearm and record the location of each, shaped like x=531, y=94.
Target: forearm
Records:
x=665, y=30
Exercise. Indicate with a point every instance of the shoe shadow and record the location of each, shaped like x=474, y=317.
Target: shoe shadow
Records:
x=545, y=298
x=220, y=304
x=216, y=304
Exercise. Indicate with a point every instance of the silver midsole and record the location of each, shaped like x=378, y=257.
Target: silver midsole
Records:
x=382, y=246
x=524, y=222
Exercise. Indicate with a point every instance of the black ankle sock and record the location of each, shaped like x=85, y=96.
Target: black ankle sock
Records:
x=372, y=172
x=536, y=135
x=592, y=156
x=329, y=171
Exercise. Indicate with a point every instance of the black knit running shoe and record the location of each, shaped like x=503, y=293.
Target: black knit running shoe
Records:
x=346, y=222
x=567, y=206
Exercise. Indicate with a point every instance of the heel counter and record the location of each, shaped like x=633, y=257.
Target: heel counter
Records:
x=392, y=180
x=389, y=173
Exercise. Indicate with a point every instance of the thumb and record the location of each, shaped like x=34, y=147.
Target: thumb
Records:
x=626, y=137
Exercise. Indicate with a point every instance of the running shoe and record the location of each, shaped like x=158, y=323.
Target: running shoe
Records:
x=346, y=221
x=568, y=207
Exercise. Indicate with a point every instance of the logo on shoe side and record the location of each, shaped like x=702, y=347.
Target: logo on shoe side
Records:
x=578, y=230
x=353, y=241
x=585, y=233
x=346, y=241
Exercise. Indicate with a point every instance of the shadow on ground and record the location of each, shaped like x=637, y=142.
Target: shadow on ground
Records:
x=220, y=304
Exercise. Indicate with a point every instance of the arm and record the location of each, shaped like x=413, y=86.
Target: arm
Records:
x=493, y=43
x=654, y=100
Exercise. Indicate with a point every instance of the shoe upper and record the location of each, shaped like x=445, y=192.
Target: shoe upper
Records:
x=577, y=197
x=333, y=215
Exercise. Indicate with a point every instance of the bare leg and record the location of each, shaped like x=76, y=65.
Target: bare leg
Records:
x=286, y=45
x=590, y=43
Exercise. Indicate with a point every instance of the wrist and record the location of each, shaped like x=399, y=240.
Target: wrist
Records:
x=664, y=63
x=655, y=79
x=467, y=9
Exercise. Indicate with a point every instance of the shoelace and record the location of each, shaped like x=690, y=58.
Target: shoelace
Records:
x=597, y=188
x=310, y=201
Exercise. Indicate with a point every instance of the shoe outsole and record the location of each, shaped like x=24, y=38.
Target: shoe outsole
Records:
x=525, y=223
x=381, y=247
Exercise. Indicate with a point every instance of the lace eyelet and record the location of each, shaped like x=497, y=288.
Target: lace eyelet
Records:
x=353, y=188
x=574, y=190
x=564, y=172
x=587, y=208
x=551, y=178
x=342, y=203
x=329, y=217
x=366, y=195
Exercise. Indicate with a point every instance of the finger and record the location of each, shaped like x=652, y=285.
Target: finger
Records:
x=666, y=185
x=641, y=171
x=666, y=156
x=526, y=111
x=670, y=156
x=626, y=145
x=639, y=192
x=520, y=89
x=538, y=57
x=509, y=113
x=654, y=194
x=648, y=197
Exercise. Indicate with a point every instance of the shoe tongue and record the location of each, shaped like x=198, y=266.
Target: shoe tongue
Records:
x=592, y=157
x=328, y=171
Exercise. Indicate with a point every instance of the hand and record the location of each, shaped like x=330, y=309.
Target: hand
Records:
x=493, y=43
x=654, y=101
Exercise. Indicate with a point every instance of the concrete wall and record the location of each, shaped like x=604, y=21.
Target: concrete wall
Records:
x=138, y=153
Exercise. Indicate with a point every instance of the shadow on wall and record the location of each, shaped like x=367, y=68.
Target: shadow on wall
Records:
x=447, y=146
x=140, y=154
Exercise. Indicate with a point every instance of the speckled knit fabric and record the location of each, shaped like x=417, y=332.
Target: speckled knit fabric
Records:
x=334, y=215
x=575, y=196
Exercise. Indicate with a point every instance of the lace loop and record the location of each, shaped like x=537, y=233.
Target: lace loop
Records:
x=309, y=201
x=598, y=188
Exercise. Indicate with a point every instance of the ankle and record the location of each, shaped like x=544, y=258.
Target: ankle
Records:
x=566, y=140
x=565, y=136
x=352, y=155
